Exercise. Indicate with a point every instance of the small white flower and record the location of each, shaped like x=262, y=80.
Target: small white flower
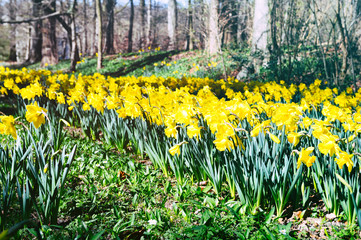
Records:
x=152, y=222
x=283, y=232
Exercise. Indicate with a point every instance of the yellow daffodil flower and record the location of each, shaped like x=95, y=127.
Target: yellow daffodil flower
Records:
x=7, y=126
x=304, y=157
x=35, y=114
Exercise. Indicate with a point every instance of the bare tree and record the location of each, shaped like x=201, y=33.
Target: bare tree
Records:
x=74, y=50
x=189, y=35
x=260, y=25
x=244, y=16
x=149, y=23
x=85, y=27
x=12, y=13
x=213, y=37
x=35, y=54
x=172, y=24
x=109, y=42
x=142, y=22
x=130, y=32
x=49, y=46
x=100, y=35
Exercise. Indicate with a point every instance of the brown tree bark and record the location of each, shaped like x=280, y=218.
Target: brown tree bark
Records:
x=85, y=24
x=142, y=22
x=130, y=32
x=35, y=53
x=12, y=11
x=74, y=57
x=109, y=42
x=49, y=46
x=344, y=46
x=149, y=23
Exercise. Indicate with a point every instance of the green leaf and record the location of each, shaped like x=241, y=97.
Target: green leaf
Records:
x=98, y=235
x=344, y=182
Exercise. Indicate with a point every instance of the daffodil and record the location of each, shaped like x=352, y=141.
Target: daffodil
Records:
x=35, y=114
x=328, y=144
x=304, y=157
x=7, y=126
x=274, y=138
x=193, y=130
x=344, y=158
x=223, y=143
x=176, y=148
x=294, y=138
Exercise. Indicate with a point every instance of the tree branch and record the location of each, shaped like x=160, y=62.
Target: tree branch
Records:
x=55, y=14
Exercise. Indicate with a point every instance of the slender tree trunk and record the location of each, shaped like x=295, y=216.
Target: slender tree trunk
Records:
x=149, y=23
x=74, y=50
x=35, y=54
x=109, y=43
x=344, y=46
x=213, y=38
x=243, y=21
x=320, y=40
x=142, y=22
x=93, y=48
x=260, y=25
x=275, y=54
x=130, y=32
x=233, y=28
x=12, y=11
x=99, y=27
x=190, y=36
x=357, y=9
x=85, y=24
x=172, y=24
x=49, y=47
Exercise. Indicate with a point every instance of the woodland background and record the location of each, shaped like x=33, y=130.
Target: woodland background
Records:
x=292, y=38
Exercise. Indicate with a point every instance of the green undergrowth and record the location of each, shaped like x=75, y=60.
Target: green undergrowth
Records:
x=119, y=195
x=113, y=194
x=159, y=63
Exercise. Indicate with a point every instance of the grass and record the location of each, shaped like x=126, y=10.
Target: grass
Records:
x=119, y=194
x=113, y=194
x=159, y=63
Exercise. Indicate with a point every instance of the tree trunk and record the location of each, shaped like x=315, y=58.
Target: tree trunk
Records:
x=357, y=9
x=260, y=25
x=74, y=49
x=233, y=27
x=243, y=21
x=109, y=43
x=213, y=38
x=149, y=23
x=172, y=24
x=35, y=54
x=49, y=47
x=93, y=48
x=12, y=11
x=344, y=46
x=142, y=22
x=99, y=27
x=190, y=36
x=130, y=32
x=85, y=24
